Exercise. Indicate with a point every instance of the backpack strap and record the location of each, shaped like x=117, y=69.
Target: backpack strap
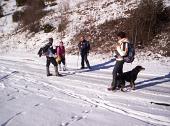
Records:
x=124, y=45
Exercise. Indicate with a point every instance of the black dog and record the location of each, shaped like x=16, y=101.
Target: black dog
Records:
x=129, y=76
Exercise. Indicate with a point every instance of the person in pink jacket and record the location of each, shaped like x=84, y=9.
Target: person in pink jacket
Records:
x=60, y=51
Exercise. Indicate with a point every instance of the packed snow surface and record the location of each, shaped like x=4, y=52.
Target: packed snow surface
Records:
x=80, y=98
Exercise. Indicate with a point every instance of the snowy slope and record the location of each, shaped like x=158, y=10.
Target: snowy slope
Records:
x=81, y=14
x=78, y=14
x=80, y=97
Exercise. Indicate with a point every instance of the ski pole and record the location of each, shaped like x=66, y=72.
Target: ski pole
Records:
x=77, y=60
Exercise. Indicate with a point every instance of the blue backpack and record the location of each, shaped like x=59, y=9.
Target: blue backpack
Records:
x=129, y=58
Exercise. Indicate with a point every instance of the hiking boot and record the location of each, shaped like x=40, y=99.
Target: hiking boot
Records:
x=64, y=68
x=111, y=88
x=48, y=71
x=119, y=87
x=122, y=89
x=82, y=67
x=56, y=70
x=49, y=74
x=59, y=75
x=90, y=68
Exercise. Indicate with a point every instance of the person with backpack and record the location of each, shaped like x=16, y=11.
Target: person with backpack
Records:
x=60, y=51
x=48, y=51
x=84, y=47
x=121, y=51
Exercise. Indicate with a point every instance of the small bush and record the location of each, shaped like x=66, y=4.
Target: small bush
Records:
x=47, y=28
x=34, y=27
x=20, y=2
x=63, y=25
x=32, y=14
x=17, y=16
x=1, y=12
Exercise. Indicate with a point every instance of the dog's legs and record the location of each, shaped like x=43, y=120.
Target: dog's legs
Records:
x=132, y=84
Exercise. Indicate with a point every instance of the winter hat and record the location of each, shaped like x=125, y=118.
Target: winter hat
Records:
x=51, y=40
x=121, y=34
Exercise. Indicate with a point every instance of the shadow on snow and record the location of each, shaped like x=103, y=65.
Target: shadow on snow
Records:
x=153, y=81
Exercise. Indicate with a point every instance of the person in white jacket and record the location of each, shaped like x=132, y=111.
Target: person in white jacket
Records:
x=121, y=50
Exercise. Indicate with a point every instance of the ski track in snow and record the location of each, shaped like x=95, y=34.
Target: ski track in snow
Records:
x=89, y=87
x=12, y=118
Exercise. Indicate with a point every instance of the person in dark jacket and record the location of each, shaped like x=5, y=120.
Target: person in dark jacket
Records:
x=84, y=47
x=49, y=52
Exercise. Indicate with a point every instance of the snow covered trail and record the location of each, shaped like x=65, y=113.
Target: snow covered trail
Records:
x=80, y=97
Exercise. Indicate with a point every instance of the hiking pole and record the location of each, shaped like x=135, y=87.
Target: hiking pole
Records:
x=65, y=64
x=77, y=60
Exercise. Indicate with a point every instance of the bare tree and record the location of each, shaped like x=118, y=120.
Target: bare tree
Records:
x=1, y=10
x=63, y=19
x=144, y=22
x=32, y=14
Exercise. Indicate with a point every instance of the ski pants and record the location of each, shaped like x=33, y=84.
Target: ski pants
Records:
x=51, y=60
x=118, y=69
x=84, y=58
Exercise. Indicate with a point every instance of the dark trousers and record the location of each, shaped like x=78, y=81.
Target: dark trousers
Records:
x=118, y=69
x=84, y=58
x=51, y=60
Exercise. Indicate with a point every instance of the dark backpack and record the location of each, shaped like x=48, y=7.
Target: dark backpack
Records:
x=43, y=50
x=88, y=46
x=129, y=58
